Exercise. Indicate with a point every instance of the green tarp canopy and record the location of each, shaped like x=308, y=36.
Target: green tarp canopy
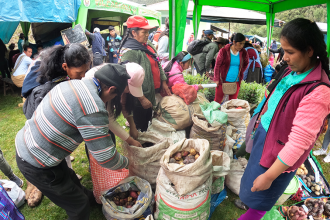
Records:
x=178, y=15
x=117, y=11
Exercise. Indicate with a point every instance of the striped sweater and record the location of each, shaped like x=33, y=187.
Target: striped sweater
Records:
x=72, y=112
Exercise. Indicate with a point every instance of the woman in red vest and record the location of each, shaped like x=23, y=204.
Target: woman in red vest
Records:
x=290, y=121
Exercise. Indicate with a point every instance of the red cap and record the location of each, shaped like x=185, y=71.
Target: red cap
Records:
x=138, y=21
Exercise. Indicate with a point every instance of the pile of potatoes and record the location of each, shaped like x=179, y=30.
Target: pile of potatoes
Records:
x=302, y=170
x=126, y=199
x=296, y=213
x=184, y=157
x=236, y=107
x=327, y=208
x=315, y=207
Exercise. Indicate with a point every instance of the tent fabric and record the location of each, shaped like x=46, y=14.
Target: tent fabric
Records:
x=7, y=30
x=270, y=7
x=110, y=8
x=226, y=14
x=39, y=11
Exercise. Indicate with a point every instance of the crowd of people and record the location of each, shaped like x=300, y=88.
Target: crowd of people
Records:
x=68, y=102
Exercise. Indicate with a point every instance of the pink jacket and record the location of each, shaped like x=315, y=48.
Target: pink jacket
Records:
x=176, y=68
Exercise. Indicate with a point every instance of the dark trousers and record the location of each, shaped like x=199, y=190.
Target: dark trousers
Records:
x=113, y=59
x=4, y=68
x=61, y=185
x=97, y=59
x=142, y=117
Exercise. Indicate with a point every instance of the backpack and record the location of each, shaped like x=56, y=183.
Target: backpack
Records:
x=196, y=46
x=252, y=61
x=151, y=36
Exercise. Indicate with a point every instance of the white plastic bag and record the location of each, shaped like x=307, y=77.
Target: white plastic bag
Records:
x=143, y=206
x=193, y=205
x=15, y=193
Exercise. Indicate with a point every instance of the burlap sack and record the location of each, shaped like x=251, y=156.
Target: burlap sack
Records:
x=174, y=111
x=233, y=179
x=239, y=118
x=166, y=130
x=188, y=177
x=144, y=162
x=202, y=129
x=221, y=167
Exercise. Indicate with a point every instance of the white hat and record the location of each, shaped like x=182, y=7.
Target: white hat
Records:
x=137, y=77
x=96, y=30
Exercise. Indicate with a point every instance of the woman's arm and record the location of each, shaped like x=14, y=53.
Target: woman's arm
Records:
x=218, y=64
x=307, y=123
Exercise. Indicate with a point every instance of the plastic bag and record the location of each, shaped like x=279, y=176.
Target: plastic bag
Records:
x=216, y=200
x=213, y=115
x=187, y=92
x=188, y=177
x=8, y=208
x=104, y=178
x=193, y=205
x=143, y=206
x=201, y=130
x=273, y=214
x=14, y=192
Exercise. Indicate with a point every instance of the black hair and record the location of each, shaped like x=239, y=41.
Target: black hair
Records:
x=130, y=103
x=274, y=41
x=3, y=47
x=74, y=55
x=302, y=34
x=177, y=58
x=116, y=106
x=278, y=67
x=12, y=46
x=26, y=47
x=21, y=36
x=238, y=37
x=167, y=30
x=39, y=45
x=128, y=34
x=247, y=44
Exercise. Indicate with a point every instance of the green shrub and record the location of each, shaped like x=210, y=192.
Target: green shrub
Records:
x=201, y=79
x=251, y=92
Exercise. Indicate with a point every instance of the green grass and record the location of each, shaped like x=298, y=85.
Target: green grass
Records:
x=12, y=120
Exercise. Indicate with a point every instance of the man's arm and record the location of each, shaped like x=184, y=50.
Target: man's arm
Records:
x=89, y=34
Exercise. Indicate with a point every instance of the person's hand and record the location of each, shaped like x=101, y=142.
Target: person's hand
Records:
x=165, y=89
x=145, y=102
x=200, y=87
x=133, y=142
x=117, y=51
x=133, y=132
x=217, y=82
x=115, y=55
x=261, y=183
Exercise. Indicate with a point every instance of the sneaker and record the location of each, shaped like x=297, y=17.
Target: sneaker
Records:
x=16, y=180
x=71, y=158
x=327, y=159
x=320, y=152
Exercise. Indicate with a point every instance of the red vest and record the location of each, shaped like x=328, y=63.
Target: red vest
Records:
x=282, y=121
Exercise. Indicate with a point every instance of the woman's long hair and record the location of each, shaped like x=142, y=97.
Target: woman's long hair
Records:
x=301, y=34
x=167, y=30
x=74, y=55
x=178, y=58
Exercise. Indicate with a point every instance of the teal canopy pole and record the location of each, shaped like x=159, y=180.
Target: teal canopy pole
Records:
x=270, y=17
x=196, y=17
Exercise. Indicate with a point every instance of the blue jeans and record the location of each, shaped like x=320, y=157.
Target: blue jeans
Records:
x=326, y=139
x=113, y=59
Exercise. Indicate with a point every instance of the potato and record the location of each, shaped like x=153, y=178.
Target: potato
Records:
x=185, y=153
x=196, y=156
x=193, y=152
x=317, y=187
x=317, y=193
x=172, y=160
x=178, y=156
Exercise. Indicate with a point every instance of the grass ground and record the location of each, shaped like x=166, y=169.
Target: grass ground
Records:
x=12, y=120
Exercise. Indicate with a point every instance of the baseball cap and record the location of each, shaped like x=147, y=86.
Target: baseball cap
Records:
x=220, y=40
x=96, y=30
x=138, y=21
x=136, y=73
x=208, y=32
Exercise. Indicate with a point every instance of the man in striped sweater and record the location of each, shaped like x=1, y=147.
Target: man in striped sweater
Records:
x=72, y=112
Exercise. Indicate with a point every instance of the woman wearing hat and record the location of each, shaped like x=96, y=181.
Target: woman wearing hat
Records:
x=136, y=48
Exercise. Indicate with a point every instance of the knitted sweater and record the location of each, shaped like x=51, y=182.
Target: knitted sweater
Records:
x=72, y=112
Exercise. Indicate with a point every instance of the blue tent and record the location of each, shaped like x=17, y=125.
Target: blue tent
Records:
x=35, y=11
